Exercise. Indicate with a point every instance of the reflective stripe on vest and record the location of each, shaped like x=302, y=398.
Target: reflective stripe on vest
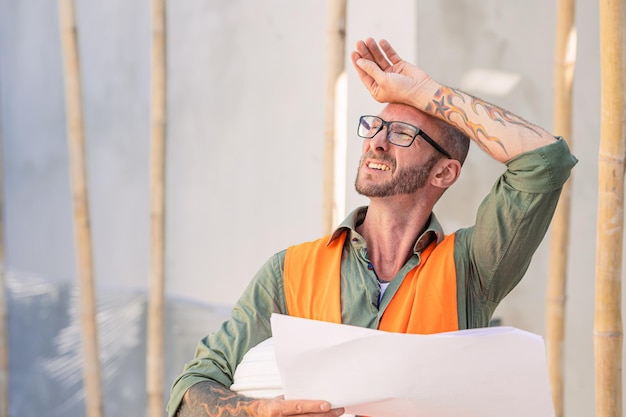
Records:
x=424, y=303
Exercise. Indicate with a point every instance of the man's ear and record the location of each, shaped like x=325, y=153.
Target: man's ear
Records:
x=446, y=172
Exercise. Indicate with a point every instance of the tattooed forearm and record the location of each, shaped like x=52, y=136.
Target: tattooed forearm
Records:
x=443, y=106
x=211, y=399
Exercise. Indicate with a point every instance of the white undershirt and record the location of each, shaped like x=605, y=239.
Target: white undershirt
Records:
x=383, y=286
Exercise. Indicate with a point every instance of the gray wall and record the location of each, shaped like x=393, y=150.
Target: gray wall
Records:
x=246, y=96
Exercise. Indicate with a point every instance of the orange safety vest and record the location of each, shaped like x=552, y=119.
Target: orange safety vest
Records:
x=424, y=303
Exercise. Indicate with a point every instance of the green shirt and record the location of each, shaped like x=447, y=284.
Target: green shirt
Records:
x=491, y=257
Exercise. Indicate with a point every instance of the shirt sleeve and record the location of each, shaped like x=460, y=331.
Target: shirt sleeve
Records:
x=218, y=354
x=494, y=254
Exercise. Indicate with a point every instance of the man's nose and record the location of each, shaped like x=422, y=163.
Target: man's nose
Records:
x=379, y=141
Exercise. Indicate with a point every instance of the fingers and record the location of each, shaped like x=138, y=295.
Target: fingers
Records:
x=355, y=56
x=364, y=69
x=363, y=50
x=371, y=72
x=373, y=61
x=377, y=54
x=391, y=53
x=382, y=53
x=367, y=72
x=377, y=69
x=309, y=408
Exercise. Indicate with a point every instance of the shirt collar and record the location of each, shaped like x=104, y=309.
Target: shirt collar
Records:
x=432, y=232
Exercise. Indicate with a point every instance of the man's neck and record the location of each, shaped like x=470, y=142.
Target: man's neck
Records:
x=390, y=230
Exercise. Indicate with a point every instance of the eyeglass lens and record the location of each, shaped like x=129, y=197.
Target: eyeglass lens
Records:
x=398, y=133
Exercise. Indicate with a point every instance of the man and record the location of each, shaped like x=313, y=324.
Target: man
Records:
x=366, y=273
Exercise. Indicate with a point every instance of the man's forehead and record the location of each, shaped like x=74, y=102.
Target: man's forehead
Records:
x=403, y=113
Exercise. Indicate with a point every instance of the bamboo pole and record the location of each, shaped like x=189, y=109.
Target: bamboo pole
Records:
x=4, y=307
x=608, y=332
x=564, y=64
x=335, y=66
x=156, y=316
x=75, y=132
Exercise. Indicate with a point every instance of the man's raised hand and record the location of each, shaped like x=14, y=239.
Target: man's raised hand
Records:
x=388, y=77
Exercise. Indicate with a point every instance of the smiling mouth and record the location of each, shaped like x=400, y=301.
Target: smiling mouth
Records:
x=380, y=167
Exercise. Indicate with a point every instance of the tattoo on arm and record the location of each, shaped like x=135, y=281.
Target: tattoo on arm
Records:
x=212, y=399
x=442, y=105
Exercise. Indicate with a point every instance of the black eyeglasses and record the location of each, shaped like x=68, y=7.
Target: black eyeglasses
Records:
x=398, y=133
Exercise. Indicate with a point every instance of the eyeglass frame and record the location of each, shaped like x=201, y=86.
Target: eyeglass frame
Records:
x=418, y=132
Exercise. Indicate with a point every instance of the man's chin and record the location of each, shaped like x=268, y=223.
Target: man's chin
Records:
x=372, y=192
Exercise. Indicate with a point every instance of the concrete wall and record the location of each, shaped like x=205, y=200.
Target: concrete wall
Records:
x=245, y=131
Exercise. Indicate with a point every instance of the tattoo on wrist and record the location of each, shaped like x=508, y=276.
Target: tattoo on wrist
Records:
x=211, y=399
x=442, y=105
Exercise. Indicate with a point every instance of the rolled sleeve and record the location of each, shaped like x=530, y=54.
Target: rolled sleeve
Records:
x=543, y=170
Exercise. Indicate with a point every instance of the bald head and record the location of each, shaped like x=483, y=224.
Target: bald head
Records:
x=455, y=142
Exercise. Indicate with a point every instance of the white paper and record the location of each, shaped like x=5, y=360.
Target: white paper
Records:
x=490, y=372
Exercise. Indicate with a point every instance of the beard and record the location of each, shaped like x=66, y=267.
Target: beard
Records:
x=405, y=181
